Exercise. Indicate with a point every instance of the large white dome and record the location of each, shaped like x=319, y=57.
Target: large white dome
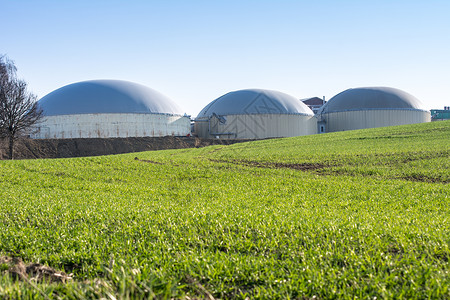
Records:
x=370, y=107
x=372, y=98
x=255, y=101
x=255, y=114
x=109, y=109
x=106, y=96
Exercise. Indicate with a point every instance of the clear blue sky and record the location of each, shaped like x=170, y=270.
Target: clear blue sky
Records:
x=195, y=51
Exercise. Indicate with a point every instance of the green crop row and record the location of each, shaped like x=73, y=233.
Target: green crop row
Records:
x=342, y=215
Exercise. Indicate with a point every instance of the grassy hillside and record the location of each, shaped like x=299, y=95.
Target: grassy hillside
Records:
x=341, y=215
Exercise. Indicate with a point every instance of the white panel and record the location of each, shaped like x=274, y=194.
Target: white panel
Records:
x=112, y=125
x=350, y=120
x=257, y=126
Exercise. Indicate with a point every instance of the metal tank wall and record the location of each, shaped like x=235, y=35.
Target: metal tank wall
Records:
x=112, y=126
x=350, y=120
x=255, y=126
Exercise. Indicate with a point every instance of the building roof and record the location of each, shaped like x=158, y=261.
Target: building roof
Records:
x=372, y=98
x=313, y=101
x=255, y=101
x=106, y=96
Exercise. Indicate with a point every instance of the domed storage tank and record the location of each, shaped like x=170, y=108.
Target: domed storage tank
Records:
x=109, y=109
x=370, y=107
x=254, y=114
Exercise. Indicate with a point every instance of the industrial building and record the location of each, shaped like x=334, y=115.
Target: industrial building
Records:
x=109, y=109
x=255, y=114
x=314, y=103
x=116, y=108
x=370, y=107
x=440, y=114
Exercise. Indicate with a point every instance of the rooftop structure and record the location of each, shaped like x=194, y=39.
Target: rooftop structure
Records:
x=314, y=103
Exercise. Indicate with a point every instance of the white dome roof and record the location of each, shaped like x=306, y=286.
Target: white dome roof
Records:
x=255, y=101
x=372, y=98
x=106, y=96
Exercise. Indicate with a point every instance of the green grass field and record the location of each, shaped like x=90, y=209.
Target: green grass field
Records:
x=358, y=214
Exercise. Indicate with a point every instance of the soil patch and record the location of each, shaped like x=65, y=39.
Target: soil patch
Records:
x=148, y=161
x=31, y=271
x=279, y=165
x=423, y=178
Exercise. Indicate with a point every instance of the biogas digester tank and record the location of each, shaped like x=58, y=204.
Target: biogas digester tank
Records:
x=254, y=114
x=370, y=107
x=109, y=109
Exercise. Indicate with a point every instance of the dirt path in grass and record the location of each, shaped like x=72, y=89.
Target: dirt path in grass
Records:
x=275, y=165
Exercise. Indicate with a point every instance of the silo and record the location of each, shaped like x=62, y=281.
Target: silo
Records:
x=109, y=109
x=370, y=107
x=254, y=114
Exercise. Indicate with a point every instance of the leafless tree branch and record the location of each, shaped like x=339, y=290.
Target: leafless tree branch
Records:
x=19, y=111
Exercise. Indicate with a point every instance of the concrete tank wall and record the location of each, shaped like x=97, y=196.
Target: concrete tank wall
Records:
x=112, y=125
x=350, y=120
x=255, y=126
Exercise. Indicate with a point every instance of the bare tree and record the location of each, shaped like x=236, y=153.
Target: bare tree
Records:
x=19, y=110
